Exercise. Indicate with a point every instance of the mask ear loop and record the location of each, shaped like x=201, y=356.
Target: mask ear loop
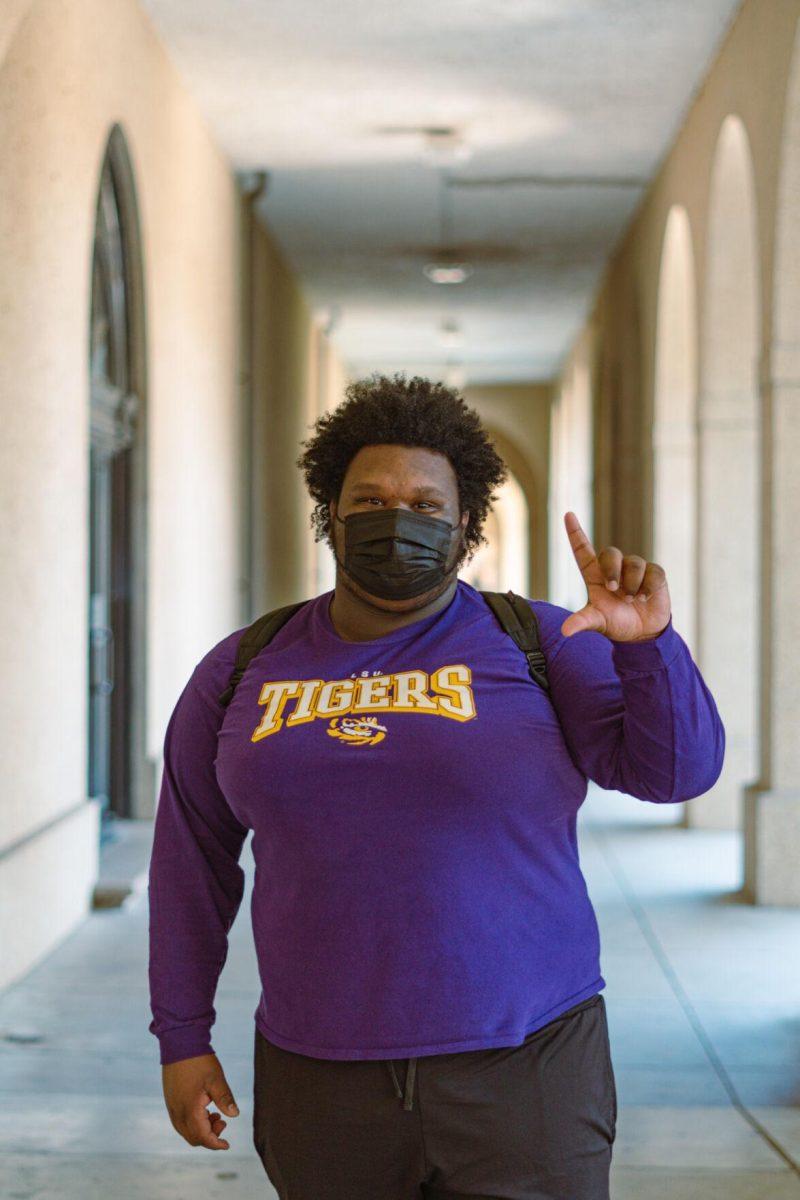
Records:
x=337, y=560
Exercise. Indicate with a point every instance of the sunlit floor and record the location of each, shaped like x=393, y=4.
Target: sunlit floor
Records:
x=703, y=999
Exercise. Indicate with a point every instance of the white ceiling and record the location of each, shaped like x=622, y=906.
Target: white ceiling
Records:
x=585, y=93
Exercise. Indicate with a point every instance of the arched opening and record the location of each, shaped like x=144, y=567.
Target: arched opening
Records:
x=116, y=610
x=503, y=561
x=729, y=500
x=675, y=423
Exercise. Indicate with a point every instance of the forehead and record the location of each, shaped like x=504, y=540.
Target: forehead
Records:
x=401, y=466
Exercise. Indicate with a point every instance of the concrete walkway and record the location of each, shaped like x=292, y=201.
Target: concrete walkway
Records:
x=703, y=1000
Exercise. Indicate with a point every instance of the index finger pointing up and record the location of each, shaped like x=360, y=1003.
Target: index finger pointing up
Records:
x=583, y=550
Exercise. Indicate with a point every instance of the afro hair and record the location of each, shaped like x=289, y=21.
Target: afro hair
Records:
x=410, y=412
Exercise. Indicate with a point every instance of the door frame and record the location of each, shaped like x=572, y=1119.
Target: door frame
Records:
x=141, y=770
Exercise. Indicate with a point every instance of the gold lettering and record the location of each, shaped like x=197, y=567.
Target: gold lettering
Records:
x=372, y=692
x=304, y=709
x=456, y=698
x=274, y=696
x=335, y=697
x=409, y=692
x=404, y=691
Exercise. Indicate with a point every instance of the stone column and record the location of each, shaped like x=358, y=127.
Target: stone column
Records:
x=675, y=515
x=772, y=803
x=728, y=610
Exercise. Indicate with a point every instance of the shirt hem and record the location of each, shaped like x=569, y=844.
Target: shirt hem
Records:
x=419, y=1050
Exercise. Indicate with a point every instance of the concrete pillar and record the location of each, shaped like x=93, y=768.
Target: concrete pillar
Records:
x=675, y=524
x=728, y=568
x=772, y=803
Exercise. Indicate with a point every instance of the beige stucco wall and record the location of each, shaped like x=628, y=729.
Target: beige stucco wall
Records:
x=297, y=374
x=517, y=417
x=282, y=380
x=70, y=69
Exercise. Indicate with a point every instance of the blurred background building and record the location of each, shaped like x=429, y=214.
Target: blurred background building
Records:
x=584, y=215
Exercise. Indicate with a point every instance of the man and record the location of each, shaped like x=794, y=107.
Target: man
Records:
x=413, y=796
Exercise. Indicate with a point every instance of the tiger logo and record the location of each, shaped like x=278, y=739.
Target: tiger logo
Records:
x=357, y=731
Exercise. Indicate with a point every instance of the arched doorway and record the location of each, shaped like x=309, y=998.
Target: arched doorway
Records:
x=729, y=494
x=116, y=498
x=675, y=422
x=503, y=561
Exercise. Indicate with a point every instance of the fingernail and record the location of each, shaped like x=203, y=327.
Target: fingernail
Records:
x=612, y=583
x=234, y=1109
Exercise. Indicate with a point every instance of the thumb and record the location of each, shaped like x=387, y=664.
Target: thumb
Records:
x=587, y=617
x=222, y=1095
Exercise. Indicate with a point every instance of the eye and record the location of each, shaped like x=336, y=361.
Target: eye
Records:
x=378, y=500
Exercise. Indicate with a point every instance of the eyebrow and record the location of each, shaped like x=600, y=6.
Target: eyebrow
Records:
x=427, y=489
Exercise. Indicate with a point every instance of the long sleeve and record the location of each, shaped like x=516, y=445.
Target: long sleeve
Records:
x=195, y=880
x=637, y=717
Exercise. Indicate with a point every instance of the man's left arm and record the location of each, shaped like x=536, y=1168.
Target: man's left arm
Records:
x=637, y=716
x=634, y=707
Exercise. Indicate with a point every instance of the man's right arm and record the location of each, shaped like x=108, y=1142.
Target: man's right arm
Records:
x=195, y=890
x=195, y=881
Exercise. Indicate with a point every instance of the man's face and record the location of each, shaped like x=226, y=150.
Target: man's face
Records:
x=389, y=476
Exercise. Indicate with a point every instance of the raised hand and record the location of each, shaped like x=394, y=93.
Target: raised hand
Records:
x=628, y=598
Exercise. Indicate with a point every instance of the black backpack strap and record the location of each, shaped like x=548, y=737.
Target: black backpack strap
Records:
x=519, y=621
x=255, y=638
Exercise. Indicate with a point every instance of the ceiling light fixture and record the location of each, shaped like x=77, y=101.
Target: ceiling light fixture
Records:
x=447, y=269
x=447, y=272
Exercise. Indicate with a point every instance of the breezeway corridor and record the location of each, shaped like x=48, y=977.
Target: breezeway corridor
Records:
x=703, y=997
x=218, y=219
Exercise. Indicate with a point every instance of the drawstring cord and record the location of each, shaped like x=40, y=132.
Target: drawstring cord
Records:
x=411, y=1070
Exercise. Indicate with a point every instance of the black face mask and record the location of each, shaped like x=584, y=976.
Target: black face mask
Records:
x=395, y=553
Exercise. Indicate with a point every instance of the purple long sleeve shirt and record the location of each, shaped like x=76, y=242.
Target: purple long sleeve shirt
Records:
x=413, y=801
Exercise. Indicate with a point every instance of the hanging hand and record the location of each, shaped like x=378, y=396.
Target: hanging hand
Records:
x=628, y=597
